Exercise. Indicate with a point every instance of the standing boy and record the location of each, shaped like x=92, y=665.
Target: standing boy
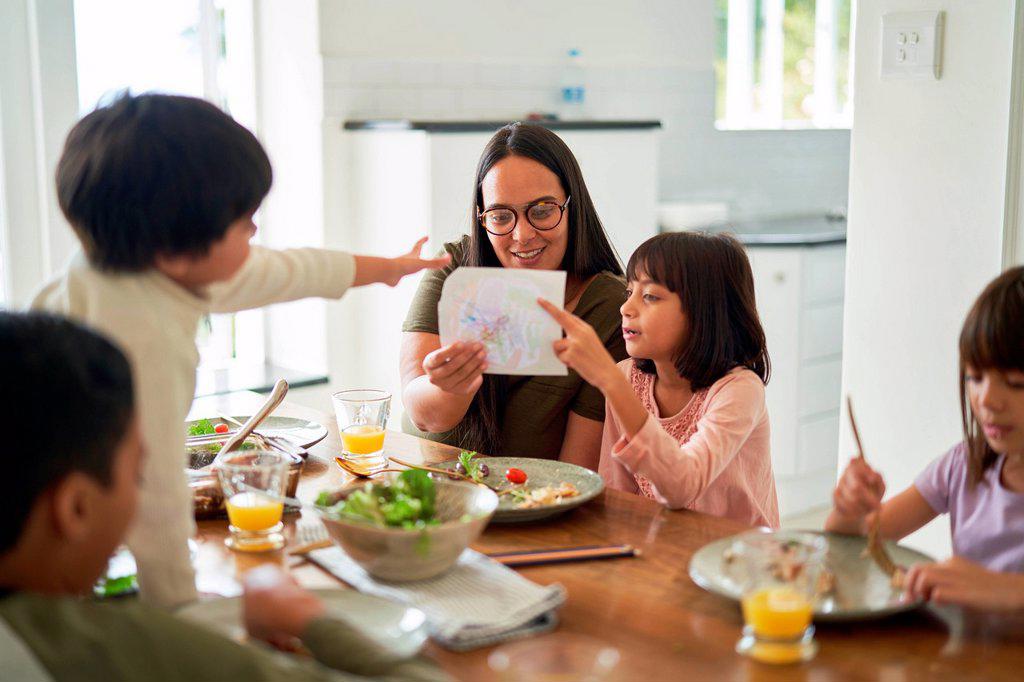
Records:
x=161, y=191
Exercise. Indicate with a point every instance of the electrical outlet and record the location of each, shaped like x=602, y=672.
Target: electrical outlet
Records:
x=912, y=44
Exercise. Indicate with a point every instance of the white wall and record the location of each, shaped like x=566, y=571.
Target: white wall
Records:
x=646, y=59
x=927, y=190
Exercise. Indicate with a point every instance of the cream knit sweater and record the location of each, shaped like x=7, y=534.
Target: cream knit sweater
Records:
x=154, y=320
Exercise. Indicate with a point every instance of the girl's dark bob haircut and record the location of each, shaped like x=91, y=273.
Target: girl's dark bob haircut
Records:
x=712, y=277
x=992, y=338
x=155, y=174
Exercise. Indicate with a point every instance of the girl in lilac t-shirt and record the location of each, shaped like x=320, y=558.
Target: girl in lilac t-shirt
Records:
x=979, y=482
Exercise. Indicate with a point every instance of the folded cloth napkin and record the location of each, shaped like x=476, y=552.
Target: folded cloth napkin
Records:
x=478, y=602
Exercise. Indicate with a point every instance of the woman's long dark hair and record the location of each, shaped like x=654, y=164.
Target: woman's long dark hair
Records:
x=992, y=338
x=588, y=253
x=712, y=277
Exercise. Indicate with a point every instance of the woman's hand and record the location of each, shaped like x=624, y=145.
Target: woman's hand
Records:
x=275, y=609
x=859, y=491
x=390, y=271
x=457, y=368
x=963, y=582
x=582, y=349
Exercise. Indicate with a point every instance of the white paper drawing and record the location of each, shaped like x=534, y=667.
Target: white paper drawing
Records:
x=498, y=307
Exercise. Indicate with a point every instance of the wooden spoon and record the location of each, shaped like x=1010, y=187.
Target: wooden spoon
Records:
x=273, y=400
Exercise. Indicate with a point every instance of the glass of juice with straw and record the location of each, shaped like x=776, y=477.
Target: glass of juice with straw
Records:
x=254, y=482
x=362, y=418
x=779, y=574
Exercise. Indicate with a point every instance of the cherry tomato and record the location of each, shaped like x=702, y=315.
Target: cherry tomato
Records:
x=516, y=476
x=221, y=428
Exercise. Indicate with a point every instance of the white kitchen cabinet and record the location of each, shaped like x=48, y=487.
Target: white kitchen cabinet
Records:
x=800, y=301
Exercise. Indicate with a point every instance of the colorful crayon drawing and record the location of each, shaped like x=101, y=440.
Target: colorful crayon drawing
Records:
x=498, y=307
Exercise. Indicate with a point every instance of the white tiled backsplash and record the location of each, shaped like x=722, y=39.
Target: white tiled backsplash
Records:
x=756, y=172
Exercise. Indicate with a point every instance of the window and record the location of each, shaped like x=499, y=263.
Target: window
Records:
x=783, y=64
x=201, y=48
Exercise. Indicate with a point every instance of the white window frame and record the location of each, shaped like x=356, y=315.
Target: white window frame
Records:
x=38, y=79
x=741, y=25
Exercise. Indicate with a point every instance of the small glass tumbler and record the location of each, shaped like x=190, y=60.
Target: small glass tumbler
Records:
x=254, y=482
x=780, y=578
x=362, y=418
x=559, y=656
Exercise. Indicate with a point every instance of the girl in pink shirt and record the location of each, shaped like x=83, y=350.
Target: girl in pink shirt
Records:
x=685, y=417
x=979, y=482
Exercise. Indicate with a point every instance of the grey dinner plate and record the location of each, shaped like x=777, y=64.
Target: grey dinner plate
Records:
x=301, y=432
x=863, y=591
x=400, y=629
x=540, y=473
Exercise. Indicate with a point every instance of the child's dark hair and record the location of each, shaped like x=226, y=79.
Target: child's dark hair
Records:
x=69, y=403
x=992, y=338
x=712, y=277
x=157, y=174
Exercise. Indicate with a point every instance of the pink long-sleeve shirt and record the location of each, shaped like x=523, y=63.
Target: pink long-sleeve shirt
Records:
x=712, y=457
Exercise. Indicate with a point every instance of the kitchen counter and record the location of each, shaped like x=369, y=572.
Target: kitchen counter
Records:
x=815, y=230
x=489, y=126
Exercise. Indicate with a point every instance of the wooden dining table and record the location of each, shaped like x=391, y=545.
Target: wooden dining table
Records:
x=664, y=626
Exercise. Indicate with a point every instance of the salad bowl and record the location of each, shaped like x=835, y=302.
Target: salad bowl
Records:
x=420, y=550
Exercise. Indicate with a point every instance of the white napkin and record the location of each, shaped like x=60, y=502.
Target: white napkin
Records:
x=478, y=602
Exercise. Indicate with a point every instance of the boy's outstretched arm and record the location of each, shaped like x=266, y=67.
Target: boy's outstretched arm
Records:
x=277, y=276
x=373, y=269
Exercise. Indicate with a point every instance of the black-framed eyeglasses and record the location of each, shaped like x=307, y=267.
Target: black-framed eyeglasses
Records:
x=542, y=215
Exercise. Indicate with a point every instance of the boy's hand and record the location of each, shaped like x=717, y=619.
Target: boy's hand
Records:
x=960, y=581
x=581, y=349
x=390, y=271
x=860, y=490
x=275, y=609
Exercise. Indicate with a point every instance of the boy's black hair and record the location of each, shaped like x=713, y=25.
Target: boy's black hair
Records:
x=69, y=403
x=157, y=174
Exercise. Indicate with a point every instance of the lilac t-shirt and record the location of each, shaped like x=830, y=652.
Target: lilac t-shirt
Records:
x=987, y=522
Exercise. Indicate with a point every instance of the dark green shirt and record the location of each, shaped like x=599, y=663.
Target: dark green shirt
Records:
x=83, y=639
x=537, y=410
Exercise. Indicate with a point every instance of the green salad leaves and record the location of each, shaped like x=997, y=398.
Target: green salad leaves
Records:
x=406, y=502
x=202, y=427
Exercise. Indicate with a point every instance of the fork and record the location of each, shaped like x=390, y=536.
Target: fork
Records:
x=310, y=535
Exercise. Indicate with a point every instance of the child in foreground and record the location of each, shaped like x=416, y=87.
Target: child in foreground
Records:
x=979, y=482
x=161, y=191
x=685, y=416
x=68, y=508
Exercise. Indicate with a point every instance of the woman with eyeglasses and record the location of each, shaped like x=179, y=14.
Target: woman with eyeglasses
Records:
x=532, y=210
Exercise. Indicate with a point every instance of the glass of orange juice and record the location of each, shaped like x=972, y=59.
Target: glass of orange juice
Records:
x=779, y=573
x=254, y=482
x=362, y=418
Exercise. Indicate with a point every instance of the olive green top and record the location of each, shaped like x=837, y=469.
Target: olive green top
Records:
x=535, y=416
x=125, y=639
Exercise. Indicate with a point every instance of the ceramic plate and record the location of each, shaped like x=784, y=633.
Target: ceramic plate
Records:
x=863, y=591
x=540, y=473
x=400, y=629
x=301, y=432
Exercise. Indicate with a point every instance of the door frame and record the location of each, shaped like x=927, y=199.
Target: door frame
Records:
x=1013, y=214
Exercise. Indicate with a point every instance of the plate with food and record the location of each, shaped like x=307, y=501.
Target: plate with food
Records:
x=301, y=432
x=402, y=630
x=529, y=489
x=856, y=582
